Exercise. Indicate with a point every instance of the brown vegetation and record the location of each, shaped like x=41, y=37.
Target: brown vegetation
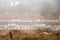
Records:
x=30, y=35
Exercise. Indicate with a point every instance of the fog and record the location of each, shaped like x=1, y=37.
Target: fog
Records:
x=30, y=6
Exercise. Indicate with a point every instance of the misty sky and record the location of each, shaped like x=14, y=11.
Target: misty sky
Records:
x=30, y=6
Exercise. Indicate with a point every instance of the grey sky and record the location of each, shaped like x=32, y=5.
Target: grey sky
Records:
x=30, y=6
